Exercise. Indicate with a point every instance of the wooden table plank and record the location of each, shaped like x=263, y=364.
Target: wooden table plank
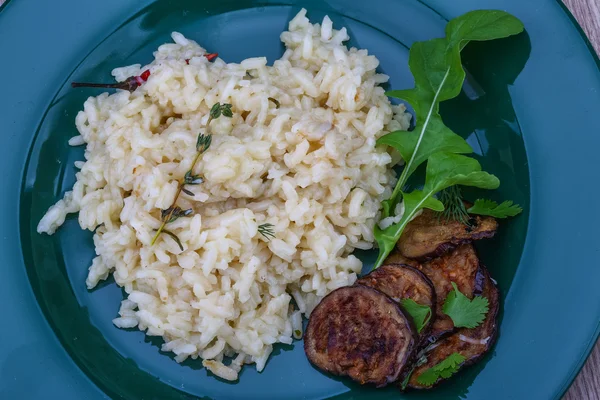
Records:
x=587, y=384
x=587, y=13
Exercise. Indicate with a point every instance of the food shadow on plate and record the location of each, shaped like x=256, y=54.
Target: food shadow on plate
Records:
x=219, y=28
x=195, y=364
x=485, y=116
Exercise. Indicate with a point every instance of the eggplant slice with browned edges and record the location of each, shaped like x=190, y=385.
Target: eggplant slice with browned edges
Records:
x=460, y=266
x=430, y=235
x=471, y=343
x=401, y=281
x=362, y=333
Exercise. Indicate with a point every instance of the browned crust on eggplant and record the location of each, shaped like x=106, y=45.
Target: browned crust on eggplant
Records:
x=401, y=281
x=360, y=332
x=429, y=236
x=471, y=343
x=460, y=266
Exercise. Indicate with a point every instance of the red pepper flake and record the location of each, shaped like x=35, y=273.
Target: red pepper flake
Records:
x=209, y=57
x=145, y=75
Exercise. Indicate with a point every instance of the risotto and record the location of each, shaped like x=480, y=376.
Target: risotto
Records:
x=298, y=153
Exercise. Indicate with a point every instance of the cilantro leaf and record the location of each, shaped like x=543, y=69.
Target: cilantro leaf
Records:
x=445, y=369
x=420, y=314
x=488, y=207
x=465, y=313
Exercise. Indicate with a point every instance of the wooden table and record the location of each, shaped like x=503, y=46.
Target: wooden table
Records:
x=587, y=384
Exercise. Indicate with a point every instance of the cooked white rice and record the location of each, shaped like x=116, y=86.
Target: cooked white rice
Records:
x=310, y=168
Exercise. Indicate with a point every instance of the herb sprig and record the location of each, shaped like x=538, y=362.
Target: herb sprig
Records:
x=443, y=170
x=437, y=69
x=493, y=209
x=267, y=231
x=203, y=143
x=445, y=369
x=274, y=101
x=421, y=314
x=455, y=209
x=465, y=313
x=454, y=206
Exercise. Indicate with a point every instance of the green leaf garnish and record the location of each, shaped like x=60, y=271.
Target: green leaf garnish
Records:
x=420, y=314
x=443, y=170
x=188, y=192
x=488, y=207
x=454, y=206
x=217, y=109
x=444, y=369
x=267, y=231
x=437, y=69
x=174, y=213
x=404, y=382
x=465, y=313
x=275, y=101
x=226, y=110
x=174, y=236
x=203, y=142
x=190, y=179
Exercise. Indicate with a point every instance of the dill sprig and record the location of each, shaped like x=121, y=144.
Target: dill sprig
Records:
x=267, y=231
x=454, y=206
x=203, y=142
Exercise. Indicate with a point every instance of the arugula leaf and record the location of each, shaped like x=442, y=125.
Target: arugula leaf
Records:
x=443, y=170
x=438, y=73
x=465, y=313
x=445, y=369
x=420, y=314
x=438, y=138
x=488, y=207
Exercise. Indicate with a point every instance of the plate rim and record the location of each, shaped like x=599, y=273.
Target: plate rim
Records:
x=584, y=356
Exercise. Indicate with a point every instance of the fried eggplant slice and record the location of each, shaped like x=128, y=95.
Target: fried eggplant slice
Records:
x=359, y=332
x=401, y=281
x=471, y=343
x=429, y=236
x=460, y=266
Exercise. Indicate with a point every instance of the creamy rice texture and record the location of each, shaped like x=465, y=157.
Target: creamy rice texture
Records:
x=309, y=167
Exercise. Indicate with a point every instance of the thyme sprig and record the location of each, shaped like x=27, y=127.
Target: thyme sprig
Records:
x=267, y=231
x=275, y=101
x=203, y=142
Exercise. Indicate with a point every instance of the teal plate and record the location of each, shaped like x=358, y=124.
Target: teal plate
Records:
x=529, y=110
